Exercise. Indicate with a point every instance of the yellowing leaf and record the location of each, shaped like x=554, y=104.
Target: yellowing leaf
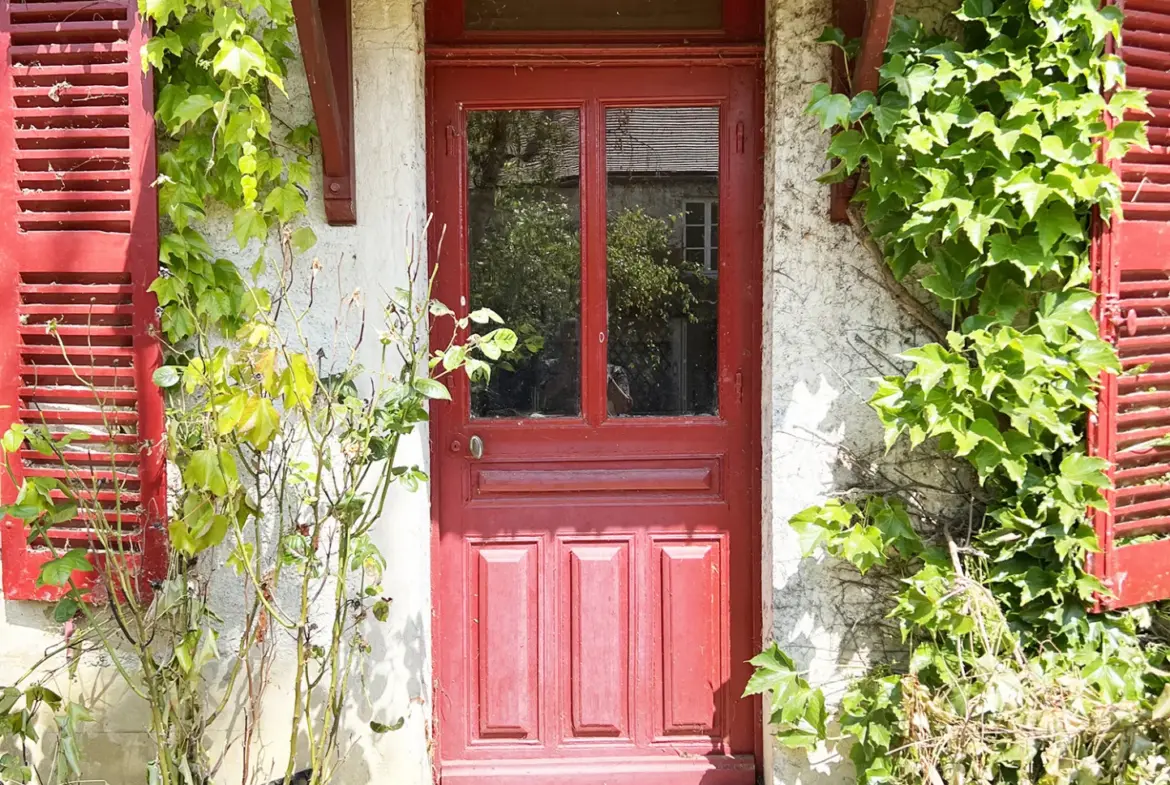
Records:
x=240, y=59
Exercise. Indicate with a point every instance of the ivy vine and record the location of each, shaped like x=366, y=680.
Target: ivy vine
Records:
x=981, y=163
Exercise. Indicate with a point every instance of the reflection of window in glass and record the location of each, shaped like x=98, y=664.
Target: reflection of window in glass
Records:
x=701, y=233
x=524, y=256
x=663, y=310
x=593, y=14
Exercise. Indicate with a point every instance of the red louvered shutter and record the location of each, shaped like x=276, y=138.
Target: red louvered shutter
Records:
x=78, y=249
x=1132, y=262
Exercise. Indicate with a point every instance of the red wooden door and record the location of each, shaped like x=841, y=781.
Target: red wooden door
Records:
x=596, y=559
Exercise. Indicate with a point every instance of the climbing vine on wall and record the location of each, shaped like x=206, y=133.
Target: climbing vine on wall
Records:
x=980, y=171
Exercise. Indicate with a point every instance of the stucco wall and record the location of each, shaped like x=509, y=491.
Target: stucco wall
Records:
x=829, y=332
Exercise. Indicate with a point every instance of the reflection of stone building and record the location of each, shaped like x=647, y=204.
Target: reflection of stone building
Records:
x=662, y=164
x=666, y=162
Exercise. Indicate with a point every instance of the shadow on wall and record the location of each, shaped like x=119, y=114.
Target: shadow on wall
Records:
x=116, y=748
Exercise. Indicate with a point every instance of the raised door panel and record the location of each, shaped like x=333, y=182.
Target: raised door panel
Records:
x=689, y=645
x=598, y=613
x=505, y=640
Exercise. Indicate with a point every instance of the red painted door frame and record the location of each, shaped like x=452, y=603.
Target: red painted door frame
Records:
x=727, y=446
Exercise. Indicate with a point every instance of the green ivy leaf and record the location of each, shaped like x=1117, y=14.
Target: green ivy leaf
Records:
x=303, y=239
x=834, y=36
x=862, y=104
x=1056, y=221
x=830, y=109
x=241, y=58
x=227, y=22
x=847, y=145
x=249, y=225
x=286, y=201
x=190, y=109
x=8, y=698
x=915, y=82
x=159, y=46
x=1085, y=470
x=160, y=11
x=211, y=470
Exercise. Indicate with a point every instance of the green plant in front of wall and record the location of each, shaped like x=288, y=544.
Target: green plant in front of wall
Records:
x=284, y=472
x=980, y=173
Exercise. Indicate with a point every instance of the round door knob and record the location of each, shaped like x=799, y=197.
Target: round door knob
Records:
x=475, y=447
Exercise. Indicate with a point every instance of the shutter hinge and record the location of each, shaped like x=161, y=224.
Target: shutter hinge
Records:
x=739, y=137
x=739, y=386
x=1111, y=312
x=1111, y=316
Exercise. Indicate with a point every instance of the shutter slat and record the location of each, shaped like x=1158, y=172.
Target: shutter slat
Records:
x=61, y=417
x=1143, y=380
x=78, y=251
x=97, y=397
x=1143, y=528
x=83, y=331
x=66, y=10
x=84, y=354
x=75, y=457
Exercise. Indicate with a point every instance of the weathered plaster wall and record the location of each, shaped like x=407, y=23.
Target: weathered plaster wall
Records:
x=828, y=331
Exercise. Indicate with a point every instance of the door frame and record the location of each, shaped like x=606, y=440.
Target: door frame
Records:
x=456, y=57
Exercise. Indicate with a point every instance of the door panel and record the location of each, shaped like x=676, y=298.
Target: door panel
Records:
x=691, y=650
x=594, y=592
x=505, y=640
x=598, y=607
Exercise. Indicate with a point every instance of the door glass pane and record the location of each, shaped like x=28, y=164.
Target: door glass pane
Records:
x=663, y=260
x=593, y=14
x=524, y=256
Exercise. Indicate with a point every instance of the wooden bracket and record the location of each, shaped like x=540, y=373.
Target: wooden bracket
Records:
x=873, y=28
x=878, y=22
x=327, y=48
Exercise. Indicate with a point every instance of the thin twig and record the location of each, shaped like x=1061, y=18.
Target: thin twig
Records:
x=914, y=307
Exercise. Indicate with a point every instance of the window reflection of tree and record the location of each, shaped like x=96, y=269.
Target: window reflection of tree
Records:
x=526, y=255
x=525, y=264
x=663, y=311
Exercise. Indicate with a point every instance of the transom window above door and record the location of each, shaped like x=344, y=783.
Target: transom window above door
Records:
x=593, y=14
x=552, y=21
x=608, y=275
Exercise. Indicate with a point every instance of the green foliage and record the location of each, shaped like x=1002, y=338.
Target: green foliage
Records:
x=980, y=173
x=56, y=572
x=863, y=538
x=797, y=710
x=20, y=711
